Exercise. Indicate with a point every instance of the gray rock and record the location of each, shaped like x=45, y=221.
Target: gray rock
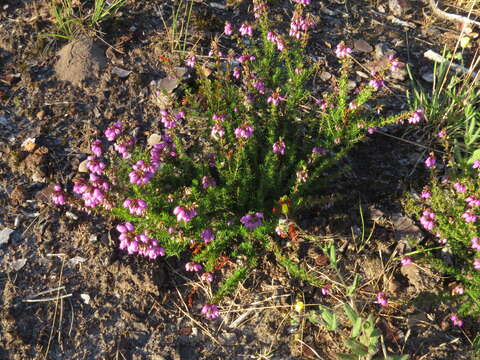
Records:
x=5, y=235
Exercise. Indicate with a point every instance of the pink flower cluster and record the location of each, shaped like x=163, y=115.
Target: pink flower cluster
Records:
x=191, y=61
x=469, y=216
x=431, y=161
x=279, y=147
x=417, y=116
x=184, y=214
x=193, y=266
x=161, y=151
x=299, y=26
x=140, y=244
x=113, y=131
x=259, y=9
x=427, y=219
x=246, y=29
x=210, y=311
x=459, y=187
x=406, y=260
x=475, y=243
x=97, y=148
x=208, y=182
x=472, y=200
x=425, y=194
x=142, y=173
x=382, y=299
x=377, y=84
x=244, y=132
x=58, y=195
x=93, y=192
x=135, y=206
x=228, y=30
x=95, y=165
x=207, y=235
x=476, y=263
x=394, y=63
x=123, y=147
x=302, y=2
x=342, y=50
x=168, y=120
x=217, y=131
x=207, y=277
x=278, y=40
x=275, y=98
x=252, y=221
x=456, y=321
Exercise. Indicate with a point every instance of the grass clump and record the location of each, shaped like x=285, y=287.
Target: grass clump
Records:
x=74, y=20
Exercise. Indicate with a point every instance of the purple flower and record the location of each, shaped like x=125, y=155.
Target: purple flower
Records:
x=394, y=63
x=275, y=98
x=425, y=194
x=95, y=166
x=431, y=161
x=113, y=131
x=427, y=219
x=322, y=103
x=237, y=72
x=244, y=132
x=376, y=84
x=207, y=277
x=459, y=187
x=184, y=214
x=193, y=266
x=458, y=290
x=191, y=61
x=218, y=117
x=382, y=299
x=148, y=247
x=472, y=200
x=476, y=164
x=135, y=206
x=208, y=235
x=246, y=30
x=260, y=86
x=318, y=151
x=208, y=182
x=442, y=133
x=342, y=50
x=123, y=147
x=228, y=30
x=58, y=196
x=469, y=216
x=217, y=131
x=302, y=2
x=371, y=130
x=141, y=173
x=252, y=221
x=456, y=320
x=406, y=260
x=97, y=148
x=210, y=311
x=128, y=238
x=417, y=116
x=279, y=147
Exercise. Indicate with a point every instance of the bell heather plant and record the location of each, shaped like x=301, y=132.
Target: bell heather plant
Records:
x=448, y=208
x=249, y=137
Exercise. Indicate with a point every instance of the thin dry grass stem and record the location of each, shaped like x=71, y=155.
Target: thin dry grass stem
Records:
x=410, y=142
x=48, y=299
x=206, y=331
x=312, y=349
x=62, y=256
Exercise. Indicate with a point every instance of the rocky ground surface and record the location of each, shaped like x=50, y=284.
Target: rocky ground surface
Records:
x=67, y=293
